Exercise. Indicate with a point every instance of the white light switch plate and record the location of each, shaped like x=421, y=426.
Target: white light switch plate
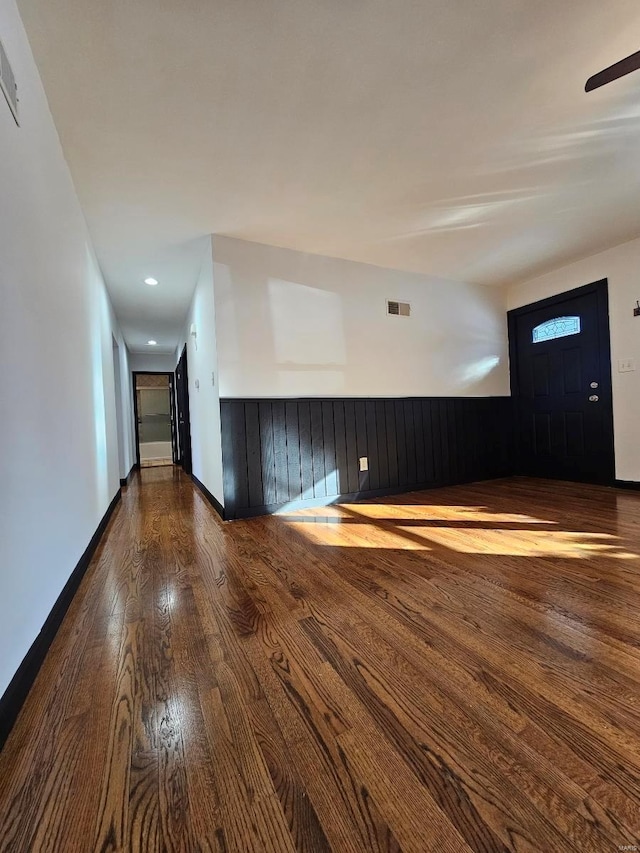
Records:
x=364, y=463
x=626, y=365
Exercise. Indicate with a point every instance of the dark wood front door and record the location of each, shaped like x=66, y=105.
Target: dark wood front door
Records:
x=182, y=403
x=561, y=382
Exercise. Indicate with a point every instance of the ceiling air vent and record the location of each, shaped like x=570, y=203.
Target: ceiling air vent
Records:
x=8, y=83
x=398, y=309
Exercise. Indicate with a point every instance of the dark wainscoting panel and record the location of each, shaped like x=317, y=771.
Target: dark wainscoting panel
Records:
x=278, y=451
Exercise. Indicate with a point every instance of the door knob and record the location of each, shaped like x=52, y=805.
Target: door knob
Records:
x=594, y=385
x=594, y=398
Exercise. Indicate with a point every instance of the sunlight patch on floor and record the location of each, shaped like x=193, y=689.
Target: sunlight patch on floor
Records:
x=394, y=512
x=330, y=534
x=398, y=526
x=517, y=543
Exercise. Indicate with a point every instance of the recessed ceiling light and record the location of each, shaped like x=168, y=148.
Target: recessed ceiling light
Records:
x=152, y=343
x=151, y=281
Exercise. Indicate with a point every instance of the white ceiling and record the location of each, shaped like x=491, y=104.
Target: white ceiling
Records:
x=452, y=138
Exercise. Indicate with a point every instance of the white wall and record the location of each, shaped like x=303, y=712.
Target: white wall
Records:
x=153, y=362
x=202, y=368
x=117, y=378
x=59, y=465
x=294, y=324
x=124, y=433
x=620, y=266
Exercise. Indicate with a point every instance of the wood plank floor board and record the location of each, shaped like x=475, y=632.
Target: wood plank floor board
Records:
x=627, y=781
x=426, y=739
x=438, y=719
x=490, y=709
x=501, y=648
x=350, y=819
x=77, y=810
x=512, y=637
x=304, y=825
x=448, y=670
x=602, y=813
x=381, y=583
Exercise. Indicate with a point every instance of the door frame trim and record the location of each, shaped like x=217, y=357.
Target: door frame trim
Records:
x=601, y=289
x=172, y=404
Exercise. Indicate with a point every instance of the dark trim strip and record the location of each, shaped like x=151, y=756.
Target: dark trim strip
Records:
x=627, y=484
x=215, y=503
x=125, y=482
x=324, y=398
x=14, y=696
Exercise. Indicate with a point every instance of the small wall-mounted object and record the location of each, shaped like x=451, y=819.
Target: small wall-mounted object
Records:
x=363, y=462
x=197, y=383
x=636, y=310
x=398, y=309
x=626, y=365
x=194, y=334
x=8, y=83
x=213, y=378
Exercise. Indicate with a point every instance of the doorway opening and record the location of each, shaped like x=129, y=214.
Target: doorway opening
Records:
x=154, y=406
x=560, y=357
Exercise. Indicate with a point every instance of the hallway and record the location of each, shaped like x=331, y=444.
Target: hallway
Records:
x=447, y=670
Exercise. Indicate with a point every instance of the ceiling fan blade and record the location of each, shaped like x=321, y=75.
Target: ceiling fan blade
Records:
x=625, y=66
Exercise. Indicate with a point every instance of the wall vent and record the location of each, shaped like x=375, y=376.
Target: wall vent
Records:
x=8, y=83
x=398, y=309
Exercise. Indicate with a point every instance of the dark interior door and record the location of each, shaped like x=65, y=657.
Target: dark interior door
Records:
x=182, y=404
x=174, y=432
x=561, y=381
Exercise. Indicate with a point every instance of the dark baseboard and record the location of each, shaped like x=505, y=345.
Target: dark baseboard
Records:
x=269, y=509
x=14, y=696
x=127, y=479
x=627, y=484
x=215, y=503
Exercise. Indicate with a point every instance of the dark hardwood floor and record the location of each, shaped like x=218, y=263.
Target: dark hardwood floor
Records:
x=442, y=671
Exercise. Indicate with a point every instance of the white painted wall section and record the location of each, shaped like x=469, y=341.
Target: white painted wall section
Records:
x=153, y=362
x=59, y=465
x=295, y=324
x=620, y=266
x=202, y=366
x=126, y=430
